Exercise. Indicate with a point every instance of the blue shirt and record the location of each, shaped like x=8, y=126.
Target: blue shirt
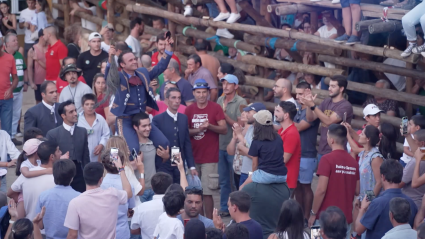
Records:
x=114, y=181
x=185, y=88
x=56, y=201
x=208, y=223
x=270, y=154
x=377, y=220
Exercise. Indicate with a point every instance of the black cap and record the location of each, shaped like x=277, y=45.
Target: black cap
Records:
x=69, y=68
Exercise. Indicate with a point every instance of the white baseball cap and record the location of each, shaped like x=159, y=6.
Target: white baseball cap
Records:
x=94, y=35
x=371, y=109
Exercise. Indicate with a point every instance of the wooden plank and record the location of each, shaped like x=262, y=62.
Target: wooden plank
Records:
x=260, y=20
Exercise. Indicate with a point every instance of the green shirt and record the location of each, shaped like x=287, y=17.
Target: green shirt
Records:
x=232, y=110
x=20, y=68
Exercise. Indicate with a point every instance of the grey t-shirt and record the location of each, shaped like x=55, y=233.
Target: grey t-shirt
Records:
x=247, y=161
x=149, y=152
x=75, y=94
x=415, y=194
x=309, y=136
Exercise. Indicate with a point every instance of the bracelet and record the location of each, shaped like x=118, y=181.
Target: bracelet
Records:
x=313, y=107
x=11, y=222
x=312, y=213
x=142, y=175
x=120, y=170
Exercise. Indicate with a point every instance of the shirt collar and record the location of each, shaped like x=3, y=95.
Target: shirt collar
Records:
x=400, y=227
x=50, y=107
x=69, y=128
x=158, y=197
x=174, y=116
x=149, y=142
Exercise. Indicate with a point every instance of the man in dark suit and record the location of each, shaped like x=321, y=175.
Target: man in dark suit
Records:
x=44, y=115
x=72, y=140
x=134, y=94
x=175, y=127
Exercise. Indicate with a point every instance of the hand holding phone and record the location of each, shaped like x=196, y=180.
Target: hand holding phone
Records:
x=315, y=232
x=404, y=125
x=174, y=155
x=370, y=195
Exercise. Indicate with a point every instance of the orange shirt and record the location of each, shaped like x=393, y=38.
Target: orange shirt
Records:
x=8, y=66
x=54, y=53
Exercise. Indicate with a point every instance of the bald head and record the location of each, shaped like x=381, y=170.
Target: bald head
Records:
x=146, y=61
x=282, y=89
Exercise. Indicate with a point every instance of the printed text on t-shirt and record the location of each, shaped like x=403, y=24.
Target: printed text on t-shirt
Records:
x=345, y=170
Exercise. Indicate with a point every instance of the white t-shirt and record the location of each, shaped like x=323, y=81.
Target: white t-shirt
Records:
x=134, y=44
x=26, y=16
x=87, y=24
x=29, y=165
x=168, y=227
x=325, y=33
x=135, y=184
x=146, y=216
x=31, y=189
x=105, y=46
x=406, y=158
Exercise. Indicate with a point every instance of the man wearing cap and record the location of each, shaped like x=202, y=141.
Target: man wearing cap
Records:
x=88, y=61
x=206, y=122
x=56, y=52
x=230, y=103
x=75, y=89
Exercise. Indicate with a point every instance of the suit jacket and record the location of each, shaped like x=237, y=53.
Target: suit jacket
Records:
x=39, y=116
x=119, y=106
x=183, y=133
x=76, y=144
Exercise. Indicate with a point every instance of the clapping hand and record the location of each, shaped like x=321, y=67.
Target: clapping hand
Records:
x=65, y=156
x=139, y=163
x=13, y=211
x=218, y=223
x=308, y=99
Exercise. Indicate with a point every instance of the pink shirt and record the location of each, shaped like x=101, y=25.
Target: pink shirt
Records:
x=94, y=213
x=163, y=107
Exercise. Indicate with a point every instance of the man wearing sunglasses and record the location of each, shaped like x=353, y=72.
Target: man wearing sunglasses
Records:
x=193, y=205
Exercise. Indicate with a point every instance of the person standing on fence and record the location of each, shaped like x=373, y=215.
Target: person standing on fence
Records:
x=25, y=23
x=351, y=14
x=136, y=27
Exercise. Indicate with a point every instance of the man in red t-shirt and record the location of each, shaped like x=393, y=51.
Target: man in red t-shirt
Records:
x=60, y=84
x=285, y=113
x=56, y=52
x=8, y=68
x=206, y=122
x=339, y=179
x=160, y=46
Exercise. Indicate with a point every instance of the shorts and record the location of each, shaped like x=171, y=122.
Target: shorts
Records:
x=21, y=197
x=37, y=93
x=307, y=167
x=346, y=3
x=204, y=170
x=260, y=176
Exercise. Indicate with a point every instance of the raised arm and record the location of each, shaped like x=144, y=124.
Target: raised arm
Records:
x=163, y=63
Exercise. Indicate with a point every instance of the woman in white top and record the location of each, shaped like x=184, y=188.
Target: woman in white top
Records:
x=291, y=222
x=39, y=20
x=327, y=30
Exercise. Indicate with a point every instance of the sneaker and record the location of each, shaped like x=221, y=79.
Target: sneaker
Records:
x=19, y=134
x=223, y=32
x=352, y=40
x=408, y=50
x=233, y=17
x=188, y=11
x=335, y=1
x=342, y=38
x=222, y=16
x=16, y=142
x=418, y=49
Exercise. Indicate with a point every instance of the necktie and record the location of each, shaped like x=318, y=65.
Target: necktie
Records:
x=134, y=80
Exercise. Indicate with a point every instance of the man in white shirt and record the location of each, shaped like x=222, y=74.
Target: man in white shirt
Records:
x=137, y=27
x=146, y=215
x=84, y=7
x=282, y=91
x=7, y=147
x=31, y=188
x=24, y=23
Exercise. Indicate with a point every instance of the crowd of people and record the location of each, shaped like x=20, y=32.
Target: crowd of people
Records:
x=126, y=141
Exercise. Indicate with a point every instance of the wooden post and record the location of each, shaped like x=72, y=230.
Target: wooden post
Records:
x=66, y=9
x=390, y=26
x=296, y=8
x=172, y=25
x=110, y=12
x=409, y=86
x=260, y=20
x=314, y=18
x=364, y=25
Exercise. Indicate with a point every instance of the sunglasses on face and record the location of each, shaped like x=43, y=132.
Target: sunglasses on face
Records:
x=193, y=188
x=201, y=84
x=171, y=82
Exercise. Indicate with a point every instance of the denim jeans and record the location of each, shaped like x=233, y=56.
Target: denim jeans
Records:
x=147, y=195
x=259, y=176
x=212, y=9
x=6, y=111
x=243, y=178
x=225, y=172
x=413, y=17
x=17, y=108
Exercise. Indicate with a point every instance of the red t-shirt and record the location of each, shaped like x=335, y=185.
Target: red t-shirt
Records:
x=155, y=59
x=343, y=173
x=163, y=107
x=54, y=53
x=292, y=144
x=60, y=84
x=101, y=109
x=205, y=144
x=8, y=66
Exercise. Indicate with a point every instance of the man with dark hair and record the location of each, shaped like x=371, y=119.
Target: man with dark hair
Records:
x=214, y=233
x=416, y=123
x=56, y=200
x=237, y=231
x=332, y=110
x=336, y=170
x=97, y=201
x=196, y=71
x=193, y=205
x=31, y=188
x=44, y=115
x=72, y=140
x=399, y=217
x=308, y=162
x=168, y=225
x=373, y=216
x=333, y=224
x=208, y=61
x=136, y=30
x=33, y=133
x=194, y=229
x=160, y=54
x=172, y=74
x=158, y=23
x=146, y=214
x=175, y=127
x=61, y=84
x=239, y=204
x=284, y=114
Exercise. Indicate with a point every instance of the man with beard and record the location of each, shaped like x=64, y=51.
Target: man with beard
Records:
x=330, y=111
x=75, y=89
x=72, y=140
x=282, y=91
x=193, y=206
x=88, y=61
x=160, y=54
x=137, y=27
x=56, y=52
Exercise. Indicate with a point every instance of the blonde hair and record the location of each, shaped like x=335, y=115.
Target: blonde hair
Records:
x=120, y=143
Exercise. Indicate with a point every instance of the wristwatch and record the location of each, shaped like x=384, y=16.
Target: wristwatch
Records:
x=313, y=107
x=312, y=213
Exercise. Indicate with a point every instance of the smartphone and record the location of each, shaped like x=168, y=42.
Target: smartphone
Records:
x=104, y=23
x=168, y=35
x=370, y=195
x=315, y=232
x=404, y=122
x=134, y=154
x=174, y=152
x=345, y=117
x=114, y=153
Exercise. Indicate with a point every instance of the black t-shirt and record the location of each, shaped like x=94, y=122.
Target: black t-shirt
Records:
x=269, y=155
x=73, y=50
x=89, y=65
x=254, y=229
